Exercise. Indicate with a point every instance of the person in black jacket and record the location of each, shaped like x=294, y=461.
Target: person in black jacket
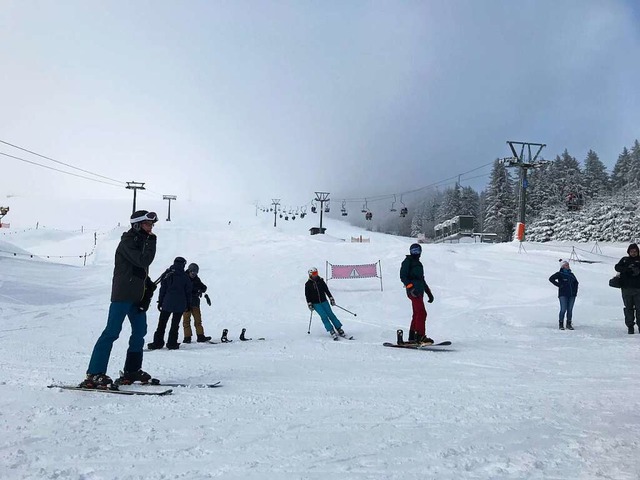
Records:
x=129, y=298
x=174, y=299
x=567, y=284
x=198, y=288
x=316, y=292
x=629, y=268
x=412, y=277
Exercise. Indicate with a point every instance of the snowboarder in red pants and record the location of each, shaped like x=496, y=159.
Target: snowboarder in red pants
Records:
x=412, y=276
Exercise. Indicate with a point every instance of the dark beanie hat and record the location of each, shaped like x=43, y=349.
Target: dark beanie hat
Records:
x=633, y=246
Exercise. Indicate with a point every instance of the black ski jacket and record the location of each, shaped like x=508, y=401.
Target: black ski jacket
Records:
x=175, y=290
x=134, y=254
x=412, y=276
x=197, y=289
x=629, y=268
x=316, y=291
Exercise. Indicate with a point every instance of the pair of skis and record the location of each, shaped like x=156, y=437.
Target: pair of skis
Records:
x=139, y=389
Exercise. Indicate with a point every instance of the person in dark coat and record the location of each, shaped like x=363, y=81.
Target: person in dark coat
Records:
x=629, y=268
x=567, y=284
x=129, y=298
x=197, y=289
x=412, y=277
x=174, y=299
x=316, y=292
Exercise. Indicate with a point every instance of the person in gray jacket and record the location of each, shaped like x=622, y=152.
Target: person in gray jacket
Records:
x=134, y=254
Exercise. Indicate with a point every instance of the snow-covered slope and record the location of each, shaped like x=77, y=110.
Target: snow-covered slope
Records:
x=515, y=399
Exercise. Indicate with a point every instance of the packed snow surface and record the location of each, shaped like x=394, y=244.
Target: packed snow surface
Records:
x=514, y=398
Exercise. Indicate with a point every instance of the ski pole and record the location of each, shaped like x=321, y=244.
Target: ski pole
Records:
x=354, y=314
x=309, y=329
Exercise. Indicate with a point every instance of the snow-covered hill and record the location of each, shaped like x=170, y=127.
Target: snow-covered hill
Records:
x=515, y=399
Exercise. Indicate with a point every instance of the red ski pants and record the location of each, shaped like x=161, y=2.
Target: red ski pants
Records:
x=419, y=318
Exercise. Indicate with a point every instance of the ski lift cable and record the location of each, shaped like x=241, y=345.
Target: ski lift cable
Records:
x=375, y=198
x=61, y=171
x=58, y=162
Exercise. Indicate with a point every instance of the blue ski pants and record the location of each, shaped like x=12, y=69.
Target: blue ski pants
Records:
x=327, y=316
x=102, y=349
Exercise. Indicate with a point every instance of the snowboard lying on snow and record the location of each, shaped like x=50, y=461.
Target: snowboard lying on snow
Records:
x=416, y=346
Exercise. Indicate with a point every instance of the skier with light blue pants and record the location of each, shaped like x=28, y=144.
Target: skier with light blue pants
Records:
x=319, y=298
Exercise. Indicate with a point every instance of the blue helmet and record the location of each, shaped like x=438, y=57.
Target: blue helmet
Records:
x=415, y=249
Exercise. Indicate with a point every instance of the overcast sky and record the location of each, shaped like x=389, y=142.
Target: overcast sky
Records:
x=250, y=100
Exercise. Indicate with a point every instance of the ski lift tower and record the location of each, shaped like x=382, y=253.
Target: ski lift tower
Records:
x=169, y=197
x=135, y=186
x=523, y=164
x=275, y=202
x=322, y=197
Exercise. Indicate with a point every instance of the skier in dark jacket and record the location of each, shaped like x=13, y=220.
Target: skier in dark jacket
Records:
x=629, y=268
x=567, y=284
x=412, y=276
x=316, y=292
x=129, y=298
x=174, y=299
x=197, y=289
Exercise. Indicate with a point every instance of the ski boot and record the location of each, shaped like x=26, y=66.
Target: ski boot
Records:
x=202, y=338
x=242, y=337
x=333, y=334
x=175, y=346
x=128, y=378
x=341, y=333
x=424, y=340
x=186, y=340
x=414, y=336
x=224, y=338
x=98, y=381
x=569, y=326
x=630, y=330
x=561, y=325
x=155, y=346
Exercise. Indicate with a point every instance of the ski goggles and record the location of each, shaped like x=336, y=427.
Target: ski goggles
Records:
x=147, y=217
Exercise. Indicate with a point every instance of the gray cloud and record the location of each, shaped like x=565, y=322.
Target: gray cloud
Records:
x=255, y=100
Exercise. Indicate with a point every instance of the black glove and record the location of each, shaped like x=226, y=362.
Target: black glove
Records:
x=430, y=295
x=310, y=305
x=206, y=297
x=159, y=307
x=332, y=302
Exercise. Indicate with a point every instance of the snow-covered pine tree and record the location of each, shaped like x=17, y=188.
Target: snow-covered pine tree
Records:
x=621, y=174
x=500, y=209
x=595, y=177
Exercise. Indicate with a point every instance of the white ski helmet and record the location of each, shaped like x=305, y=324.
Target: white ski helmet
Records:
x=313, y=271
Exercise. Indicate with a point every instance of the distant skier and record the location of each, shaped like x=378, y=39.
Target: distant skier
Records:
x=316, y=292
x=129, y=298
x=567, y=284
x=412, y=276
x=174, y=299
x=629, y=268
x=197, y=289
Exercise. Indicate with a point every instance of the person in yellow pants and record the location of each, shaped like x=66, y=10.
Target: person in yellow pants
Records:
x=198, y=288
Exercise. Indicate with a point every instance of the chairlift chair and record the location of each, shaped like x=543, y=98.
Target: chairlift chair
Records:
x=403, y=211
